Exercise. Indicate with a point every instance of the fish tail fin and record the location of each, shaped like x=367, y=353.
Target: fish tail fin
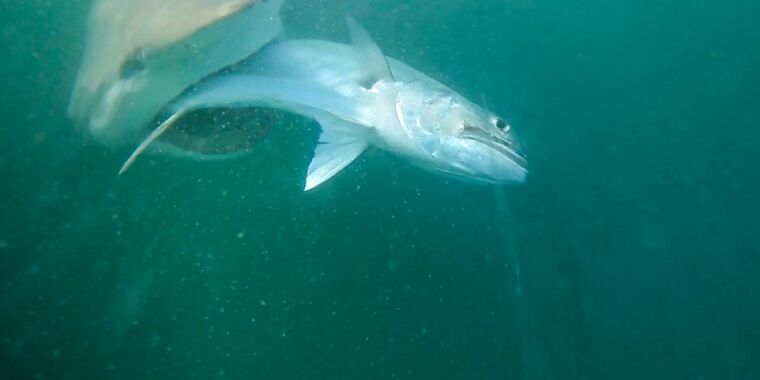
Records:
x=158, y=132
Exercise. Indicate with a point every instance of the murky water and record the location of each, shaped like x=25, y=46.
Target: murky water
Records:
x=631, y=251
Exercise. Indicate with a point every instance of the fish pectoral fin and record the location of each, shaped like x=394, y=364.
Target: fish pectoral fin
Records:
x=337, y=148
x=373, y=61
x=329, y=159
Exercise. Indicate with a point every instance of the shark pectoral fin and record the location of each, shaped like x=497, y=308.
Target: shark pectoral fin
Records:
x=151, y=138
x=370, y=55
x=336, y=150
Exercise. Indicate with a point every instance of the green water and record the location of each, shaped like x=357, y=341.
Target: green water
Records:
x=630, y=253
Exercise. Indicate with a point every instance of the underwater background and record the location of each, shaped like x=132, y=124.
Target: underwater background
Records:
x=632, y=251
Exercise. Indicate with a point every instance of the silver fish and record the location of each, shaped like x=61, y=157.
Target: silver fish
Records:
x=361, y=98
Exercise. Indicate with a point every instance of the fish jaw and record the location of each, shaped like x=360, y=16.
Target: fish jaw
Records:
x=437, y=129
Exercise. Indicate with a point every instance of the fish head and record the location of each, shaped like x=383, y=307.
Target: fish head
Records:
x=459, y=137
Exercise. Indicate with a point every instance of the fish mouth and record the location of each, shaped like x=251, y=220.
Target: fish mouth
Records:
x=501, y=144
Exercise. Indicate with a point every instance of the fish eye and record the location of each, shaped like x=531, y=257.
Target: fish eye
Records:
x=501, y=124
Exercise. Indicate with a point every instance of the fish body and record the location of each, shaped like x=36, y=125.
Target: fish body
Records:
x=362, y=98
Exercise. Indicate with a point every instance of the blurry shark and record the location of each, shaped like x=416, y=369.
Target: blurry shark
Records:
x=361, y=98
x=141, y=54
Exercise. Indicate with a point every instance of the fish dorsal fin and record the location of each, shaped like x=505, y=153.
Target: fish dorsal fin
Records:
x=372, y=59
x=339, y=145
